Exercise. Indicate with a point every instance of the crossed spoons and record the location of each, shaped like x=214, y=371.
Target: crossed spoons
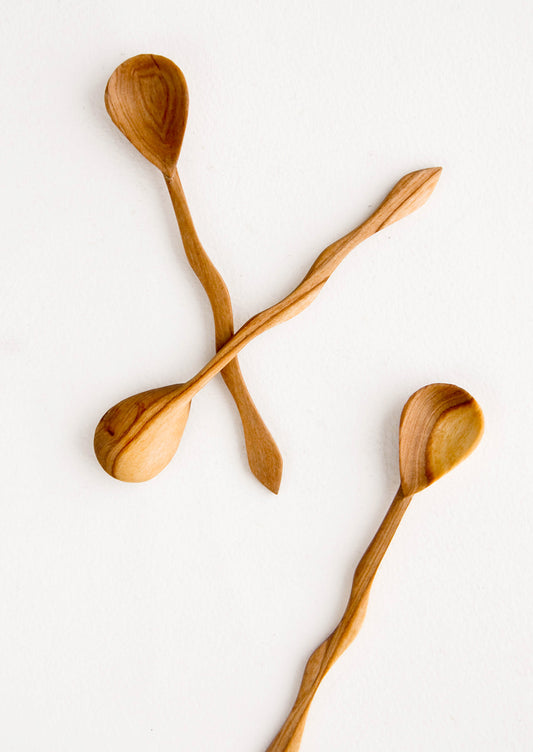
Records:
x=147, y=99
x=440, y=425
x=138, y=437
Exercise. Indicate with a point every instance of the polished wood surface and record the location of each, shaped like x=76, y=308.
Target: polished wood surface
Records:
x=147, y=99
x=121, y=446
x=441, y=424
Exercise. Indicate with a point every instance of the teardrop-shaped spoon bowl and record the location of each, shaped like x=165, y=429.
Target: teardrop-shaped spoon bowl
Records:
x=440, y=425
x=147, y=99
x=138, y=437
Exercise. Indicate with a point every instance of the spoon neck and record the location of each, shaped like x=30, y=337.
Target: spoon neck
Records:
x=368, y=566
x=177, y=196
x=172, y=178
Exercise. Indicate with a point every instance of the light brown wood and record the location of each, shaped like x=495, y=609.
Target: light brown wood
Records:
x=440, y=425
x=119, y=444
x=147, y=99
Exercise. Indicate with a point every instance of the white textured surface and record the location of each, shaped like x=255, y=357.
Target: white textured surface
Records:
x=178, y=614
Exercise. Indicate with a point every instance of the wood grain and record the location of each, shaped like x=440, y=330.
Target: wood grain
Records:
x=289, y=737
x=147, y=99
x=440, y=426
x=114, y=439
x=264, y=457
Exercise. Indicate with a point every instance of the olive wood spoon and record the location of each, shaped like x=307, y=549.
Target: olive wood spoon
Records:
x=440, y=425
x=147, y=99
x=138, y=437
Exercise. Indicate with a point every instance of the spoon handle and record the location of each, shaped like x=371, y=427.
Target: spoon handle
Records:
x=264, y=456
x=289, y=737
x=408, y=194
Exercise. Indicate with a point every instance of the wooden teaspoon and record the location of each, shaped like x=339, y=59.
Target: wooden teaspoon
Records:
x=440, y=425
x=138, y=437
x=147, y=99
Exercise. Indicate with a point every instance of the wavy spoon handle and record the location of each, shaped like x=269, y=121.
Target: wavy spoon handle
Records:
x=289, y=737
x=137, y=438
x=264, y=456
x=409, y=193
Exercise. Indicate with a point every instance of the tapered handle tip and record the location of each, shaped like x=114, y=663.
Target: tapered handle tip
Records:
x=409, y=194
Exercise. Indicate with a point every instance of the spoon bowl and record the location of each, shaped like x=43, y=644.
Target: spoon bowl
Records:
x=440, y=425
x=147, y=99
x=138, y=437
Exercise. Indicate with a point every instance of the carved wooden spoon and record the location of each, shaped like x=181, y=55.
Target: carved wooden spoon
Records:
x=148, y=101
x=138, y=437
x=440, y=425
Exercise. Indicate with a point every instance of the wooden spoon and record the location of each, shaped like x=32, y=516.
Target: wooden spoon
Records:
x=440, y=425
x=148, y=101
x=138, y=437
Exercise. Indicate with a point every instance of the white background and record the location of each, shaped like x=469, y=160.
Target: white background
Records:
x=178, y=614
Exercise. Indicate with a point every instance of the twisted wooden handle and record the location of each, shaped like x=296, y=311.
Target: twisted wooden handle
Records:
x=289, y=737
x=264, y=457
x=409, y=193
x=144, y=433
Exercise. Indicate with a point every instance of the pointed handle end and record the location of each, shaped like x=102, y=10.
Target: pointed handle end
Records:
x=408, y=195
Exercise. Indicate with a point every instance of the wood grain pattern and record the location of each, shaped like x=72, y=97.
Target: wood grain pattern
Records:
x=119, y=445
x=264, y=457
x=442, y=424
x=147, y=99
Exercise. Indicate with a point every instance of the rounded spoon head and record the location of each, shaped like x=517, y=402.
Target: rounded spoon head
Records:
x=147, y=99
x=440, y=425
x=138, y=437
